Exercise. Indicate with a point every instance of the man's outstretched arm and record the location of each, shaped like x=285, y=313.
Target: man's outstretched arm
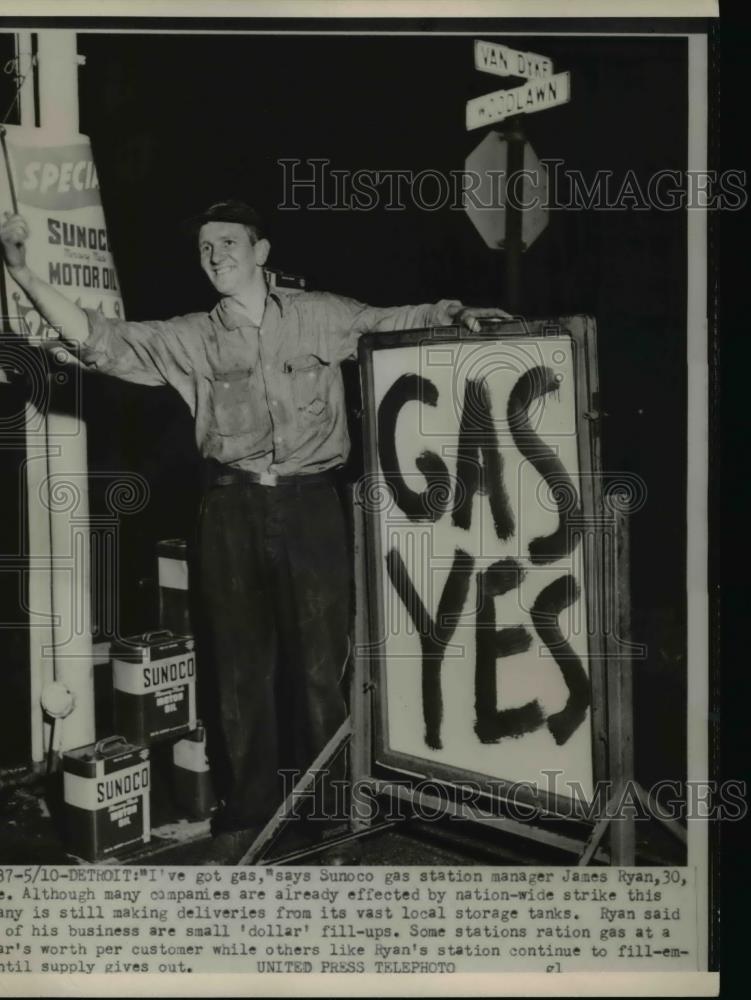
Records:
x=151, y=352
x=347, y=319
x=57, y=310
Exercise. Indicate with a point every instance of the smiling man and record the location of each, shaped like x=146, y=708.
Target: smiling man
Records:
x=261, y=375
x=233, y=255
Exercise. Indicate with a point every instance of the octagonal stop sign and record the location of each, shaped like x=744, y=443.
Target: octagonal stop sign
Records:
x=485, y=195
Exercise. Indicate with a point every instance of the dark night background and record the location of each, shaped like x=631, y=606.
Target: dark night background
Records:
x=178, y=122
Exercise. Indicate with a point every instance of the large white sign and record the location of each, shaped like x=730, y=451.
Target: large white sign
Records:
x=484, y=641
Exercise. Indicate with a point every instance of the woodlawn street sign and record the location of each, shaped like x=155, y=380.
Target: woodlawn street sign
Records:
x=535, y=95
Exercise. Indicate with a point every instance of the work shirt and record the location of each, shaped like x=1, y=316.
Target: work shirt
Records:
x=268, y=398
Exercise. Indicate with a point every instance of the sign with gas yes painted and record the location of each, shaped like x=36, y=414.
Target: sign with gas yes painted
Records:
x=477, y=488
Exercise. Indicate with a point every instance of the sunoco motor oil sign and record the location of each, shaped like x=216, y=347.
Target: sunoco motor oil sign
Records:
x=57, y=189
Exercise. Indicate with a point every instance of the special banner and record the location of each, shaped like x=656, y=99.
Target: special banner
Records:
x=57, y=191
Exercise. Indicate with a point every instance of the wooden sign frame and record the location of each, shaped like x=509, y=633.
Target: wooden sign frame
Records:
x=370, y=751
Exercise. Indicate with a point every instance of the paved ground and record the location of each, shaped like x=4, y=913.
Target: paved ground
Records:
x=31, y=834
x=32, y=824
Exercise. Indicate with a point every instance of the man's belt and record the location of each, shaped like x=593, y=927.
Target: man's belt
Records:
x=225, y=475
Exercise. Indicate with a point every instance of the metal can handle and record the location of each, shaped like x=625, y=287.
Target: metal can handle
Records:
x=108, y=742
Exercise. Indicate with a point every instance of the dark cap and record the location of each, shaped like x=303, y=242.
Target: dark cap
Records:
x=228, y=211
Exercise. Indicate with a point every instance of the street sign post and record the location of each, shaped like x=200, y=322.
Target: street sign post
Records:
x=519, y=213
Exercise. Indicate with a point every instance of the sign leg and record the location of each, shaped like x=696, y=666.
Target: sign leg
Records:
x=619, y=677
x=360, y=691
x=513, y=245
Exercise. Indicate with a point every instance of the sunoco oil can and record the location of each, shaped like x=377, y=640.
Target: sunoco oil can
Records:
x=192, y=776
x=106, y=792
x=174, y=601
x=154, y=677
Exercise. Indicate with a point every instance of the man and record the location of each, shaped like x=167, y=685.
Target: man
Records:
x=261, y=375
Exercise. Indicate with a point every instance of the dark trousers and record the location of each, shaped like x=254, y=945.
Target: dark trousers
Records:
x=275, y=595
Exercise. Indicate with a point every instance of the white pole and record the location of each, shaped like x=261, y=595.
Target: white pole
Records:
x=68, y=467
x=25, y=76
x=38, y=527
x=58, y=82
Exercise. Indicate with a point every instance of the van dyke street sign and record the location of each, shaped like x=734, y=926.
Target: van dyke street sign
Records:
x=490, y=57
x=536, y=95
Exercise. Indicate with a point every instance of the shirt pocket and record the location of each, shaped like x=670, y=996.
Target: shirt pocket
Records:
x=310, y=376
x=236, y=403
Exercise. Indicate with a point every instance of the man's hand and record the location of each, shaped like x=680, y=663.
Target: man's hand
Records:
x=470, y=316
x=59, y=312
x=14, y=232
